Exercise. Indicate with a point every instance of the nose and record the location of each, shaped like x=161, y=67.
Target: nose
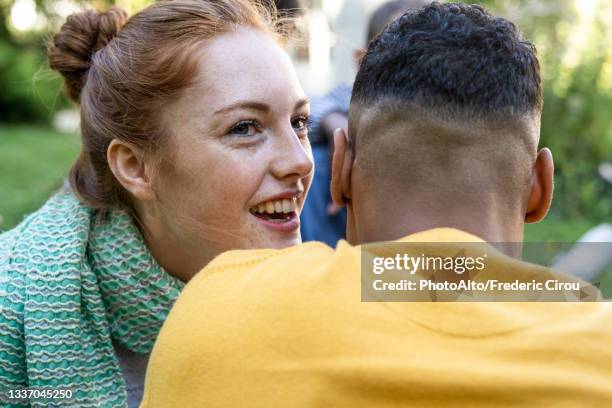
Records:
x=293, y=159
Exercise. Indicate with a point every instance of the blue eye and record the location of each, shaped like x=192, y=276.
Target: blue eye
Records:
x=244, y=128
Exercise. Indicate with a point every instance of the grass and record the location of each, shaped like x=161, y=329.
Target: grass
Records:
x=33, y=164
x=605, y=279
x=555, y=230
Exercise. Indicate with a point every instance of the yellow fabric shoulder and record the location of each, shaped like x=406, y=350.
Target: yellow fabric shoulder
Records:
x=288, y=328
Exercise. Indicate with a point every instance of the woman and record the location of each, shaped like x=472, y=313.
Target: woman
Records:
x=194, y=131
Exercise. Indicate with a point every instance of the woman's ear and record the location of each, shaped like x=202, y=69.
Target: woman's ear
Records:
x=342, y=162
x=541, y=193
x=130, y=169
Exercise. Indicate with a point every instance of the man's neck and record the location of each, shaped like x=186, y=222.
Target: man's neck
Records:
x=375, y=222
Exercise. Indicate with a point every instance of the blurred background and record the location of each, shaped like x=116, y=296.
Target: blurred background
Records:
x=39, y=128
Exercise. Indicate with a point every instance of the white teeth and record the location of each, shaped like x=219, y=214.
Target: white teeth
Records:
x=270, y=207
x=285, y=205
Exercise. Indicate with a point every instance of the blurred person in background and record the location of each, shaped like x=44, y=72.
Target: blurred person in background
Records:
x=194, y=142
x=322, y=220
x=291, y=8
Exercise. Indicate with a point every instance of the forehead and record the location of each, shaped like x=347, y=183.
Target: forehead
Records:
x=245, y=64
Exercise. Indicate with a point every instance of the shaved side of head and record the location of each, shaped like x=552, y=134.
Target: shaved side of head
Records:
x=414, y=151
x=447, y=101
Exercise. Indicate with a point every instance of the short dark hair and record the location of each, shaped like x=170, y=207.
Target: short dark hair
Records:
x=384, y=14
x=453, y=59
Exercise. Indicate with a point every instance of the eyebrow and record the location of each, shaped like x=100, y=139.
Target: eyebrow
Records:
x=257, y=106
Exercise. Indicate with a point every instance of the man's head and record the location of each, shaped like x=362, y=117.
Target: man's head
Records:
x=445, y=114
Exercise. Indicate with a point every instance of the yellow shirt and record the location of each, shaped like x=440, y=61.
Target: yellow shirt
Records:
x=269, y=328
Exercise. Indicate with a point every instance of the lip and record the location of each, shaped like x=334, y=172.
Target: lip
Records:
x=284, y=227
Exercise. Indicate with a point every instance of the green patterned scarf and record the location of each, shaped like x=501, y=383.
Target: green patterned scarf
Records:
x=72, y=281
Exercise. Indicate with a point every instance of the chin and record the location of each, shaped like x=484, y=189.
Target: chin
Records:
x=258, y=233
x=284, y=242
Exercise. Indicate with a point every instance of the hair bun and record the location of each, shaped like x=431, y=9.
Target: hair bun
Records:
x=82, y=34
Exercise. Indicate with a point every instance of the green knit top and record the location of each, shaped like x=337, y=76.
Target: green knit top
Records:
x=72, y=280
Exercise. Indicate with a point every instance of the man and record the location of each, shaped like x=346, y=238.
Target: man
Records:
x=441, y=148
x=322, y=220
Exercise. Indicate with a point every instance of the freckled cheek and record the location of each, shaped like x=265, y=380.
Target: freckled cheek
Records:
x=226, y=188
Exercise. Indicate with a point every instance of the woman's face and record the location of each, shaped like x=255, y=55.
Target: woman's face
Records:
x=239, y=164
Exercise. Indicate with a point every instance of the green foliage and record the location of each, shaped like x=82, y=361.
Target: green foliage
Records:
x=577, y=105
x=30, y=92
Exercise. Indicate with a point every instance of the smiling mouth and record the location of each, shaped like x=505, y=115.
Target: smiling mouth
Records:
x=281, y=210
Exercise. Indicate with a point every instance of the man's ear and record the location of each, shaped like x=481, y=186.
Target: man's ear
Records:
x=342, y=162
x=130, y=169
x=541, y=187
